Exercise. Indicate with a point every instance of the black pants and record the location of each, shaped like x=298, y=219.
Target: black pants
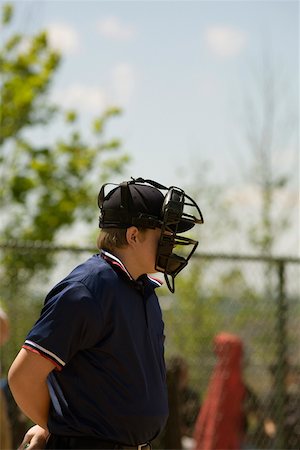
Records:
x=84, y=443
x=78, y=443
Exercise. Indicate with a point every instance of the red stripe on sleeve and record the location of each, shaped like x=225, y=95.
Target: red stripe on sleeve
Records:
x=34, y=350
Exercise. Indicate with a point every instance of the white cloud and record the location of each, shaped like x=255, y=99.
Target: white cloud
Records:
x=79, y=96
x=123, y=81
x=225, y=41
x=287, y=159
x=113, y=28
x=63, y=38
x=247, y=195
x=94, y=98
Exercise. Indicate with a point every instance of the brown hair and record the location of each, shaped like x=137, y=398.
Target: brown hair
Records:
x=111, y=238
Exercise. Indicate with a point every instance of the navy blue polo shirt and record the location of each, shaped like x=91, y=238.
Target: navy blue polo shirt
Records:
x=105, y=334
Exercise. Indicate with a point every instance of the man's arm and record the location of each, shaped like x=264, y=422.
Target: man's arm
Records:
x=27, y=379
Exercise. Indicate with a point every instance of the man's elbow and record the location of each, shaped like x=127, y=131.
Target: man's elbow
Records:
x=21, y=373
x=14, y=377
x=28, y=372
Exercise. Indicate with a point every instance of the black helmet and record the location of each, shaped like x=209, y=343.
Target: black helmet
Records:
x=141, y=203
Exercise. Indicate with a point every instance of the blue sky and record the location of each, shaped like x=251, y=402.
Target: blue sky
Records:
x=181, y=71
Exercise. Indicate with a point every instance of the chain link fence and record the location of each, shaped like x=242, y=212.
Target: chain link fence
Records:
x=254, y=298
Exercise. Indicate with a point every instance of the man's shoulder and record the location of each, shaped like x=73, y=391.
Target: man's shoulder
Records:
x=91, y=279
x=93, y=271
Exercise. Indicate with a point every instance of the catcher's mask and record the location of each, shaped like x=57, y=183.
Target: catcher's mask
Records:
x=141, y=203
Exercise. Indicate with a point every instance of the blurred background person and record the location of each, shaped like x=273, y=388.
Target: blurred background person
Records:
x=221, y=420
x=289, y=400
x=184, y=404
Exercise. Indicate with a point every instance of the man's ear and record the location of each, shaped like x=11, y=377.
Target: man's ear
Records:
x=131, y=235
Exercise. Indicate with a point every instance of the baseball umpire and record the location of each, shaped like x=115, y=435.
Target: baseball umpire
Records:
x=91, y=373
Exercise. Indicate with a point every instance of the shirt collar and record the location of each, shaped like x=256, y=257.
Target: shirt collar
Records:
x=113, y=260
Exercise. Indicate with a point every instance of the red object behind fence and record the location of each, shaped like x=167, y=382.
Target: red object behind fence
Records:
x=220, y=422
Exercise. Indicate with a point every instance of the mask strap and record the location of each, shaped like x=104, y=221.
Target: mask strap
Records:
x=124, y=195
x=153, y=183
x=170, y=284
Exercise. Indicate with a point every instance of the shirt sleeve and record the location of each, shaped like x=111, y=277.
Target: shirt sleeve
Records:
x=70, y=321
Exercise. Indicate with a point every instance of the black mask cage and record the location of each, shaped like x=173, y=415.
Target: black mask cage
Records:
x=179, y=213
x=176, y=220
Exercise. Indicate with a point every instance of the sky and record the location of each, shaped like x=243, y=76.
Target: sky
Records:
x=185, y=74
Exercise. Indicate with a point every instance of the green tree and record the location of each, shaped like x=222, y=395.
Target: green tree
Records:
x=44, y=188
x=269, y=129
x=214, y=294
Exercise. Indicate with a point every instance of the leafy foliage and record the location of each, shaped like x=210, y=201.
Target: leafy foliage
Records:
x=47, y=187
x=44, y=188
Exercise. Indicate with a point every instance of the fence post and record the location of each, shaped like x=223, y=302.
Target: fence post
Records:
x=281, y=369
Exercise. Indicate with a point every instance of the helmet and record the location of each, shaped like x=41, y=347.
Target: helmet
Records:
x=141, y=203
